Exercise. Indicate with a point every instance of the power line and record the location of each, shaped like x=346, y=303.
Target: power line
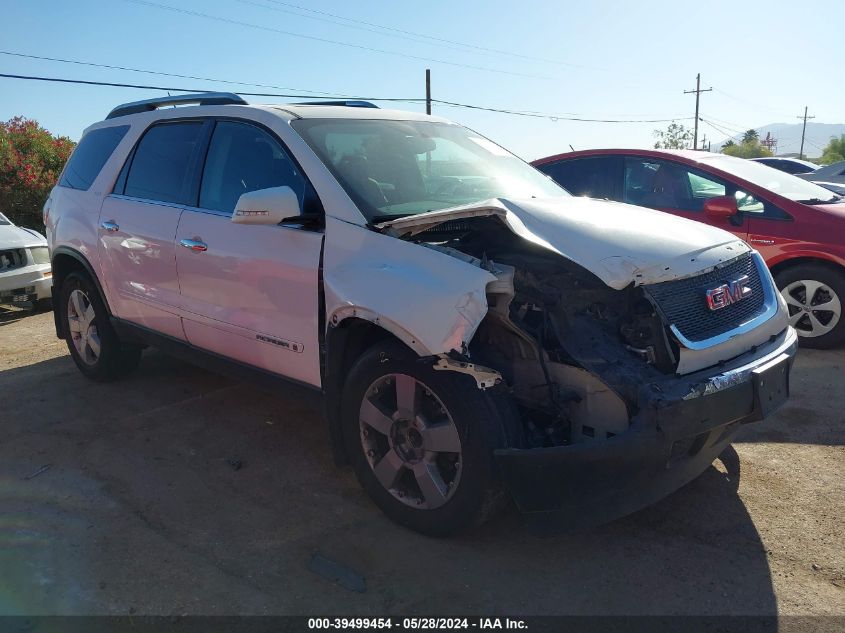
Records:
x=172, y=89
x=554, y=117
x=539, y=115
x=719, y=129
x=746, y=101
x=160, y=73
x=324, y=40
x=404, y=32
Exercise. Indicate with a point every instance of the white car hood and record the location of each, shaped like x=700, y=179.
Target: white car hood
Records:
x=619, y=243
x=12, y=236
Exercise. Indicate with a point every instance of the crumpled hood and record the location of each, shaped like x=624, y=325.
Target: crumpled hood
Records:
x=12, y=236
x=619, y=243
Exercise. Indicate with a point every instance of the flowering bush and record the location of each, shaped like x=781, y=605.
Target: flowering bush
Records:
x=31, y=160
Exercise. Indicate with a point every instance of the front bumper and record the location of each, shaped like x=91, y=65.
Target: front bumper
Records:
x=683, y=424
x=22, y=287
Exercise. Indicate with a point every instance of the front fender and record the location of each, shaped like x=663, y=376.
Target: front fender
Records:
x=427, y=299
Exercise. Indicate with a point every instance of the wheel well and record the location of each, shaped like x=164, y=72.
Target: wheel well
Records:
x=345, y=343
x=64, y=264
x=801, y=261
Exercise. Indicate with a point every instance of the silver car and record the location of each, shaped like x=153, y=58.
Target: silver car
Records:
x=26, y=277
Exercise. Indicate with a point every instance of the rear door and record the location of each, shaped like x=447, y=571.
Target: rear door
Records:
x=138, y=225
x=250, y=292
x=681, y=190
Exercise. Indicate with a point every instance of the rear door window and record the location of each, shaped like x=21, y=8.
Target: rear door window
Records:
x=594, y=177
x=90, y=155
x=164, y=162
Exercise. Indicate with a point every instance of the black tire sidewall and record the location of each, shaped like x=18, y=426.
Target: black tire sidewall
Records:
x=480, y=428
x=115, y=359
x=830, y=277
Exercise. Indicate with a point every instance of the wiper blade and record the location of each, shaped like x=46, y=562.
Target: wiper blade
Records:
x=832, y=200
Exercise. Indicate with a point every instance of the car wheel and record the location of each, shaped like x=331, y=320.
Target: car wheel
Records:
x=93, y=344
x=815, y=295
x=421, y=441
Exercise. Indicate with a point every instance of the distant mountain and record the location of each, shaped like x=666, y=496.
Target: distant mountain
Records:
x=788, y=136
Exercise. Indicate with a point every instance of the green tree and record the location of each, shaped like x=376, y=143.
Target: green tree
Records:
x=31, y=159
x=728, y=143
x=835, y=150
x=750, y=136
x=749, y=149
x=676, y=136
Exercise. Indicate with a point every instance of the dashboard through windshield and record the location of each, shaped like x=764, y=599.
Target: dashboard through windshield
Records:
x=398, y=168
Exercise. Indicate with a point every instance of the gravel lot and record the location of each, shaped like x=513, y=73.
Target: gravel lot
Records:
x=127, y=498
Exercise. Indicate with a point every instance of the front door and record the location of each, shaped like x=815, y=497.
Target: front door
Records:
x=250, y=292
x=138, y=225
x=680, y=190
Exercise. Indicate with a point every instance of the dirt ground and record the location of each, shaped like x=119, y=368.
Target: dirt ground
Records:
x=180, y=491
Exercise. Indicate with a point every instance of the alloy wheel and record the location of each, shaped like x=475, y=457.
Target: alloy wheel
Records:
x=83, y=330
x=410, y=441
x=814, y=307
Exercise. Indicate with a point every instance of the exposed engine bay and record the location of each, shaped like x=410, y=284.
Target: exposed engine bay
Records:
x=574, y=351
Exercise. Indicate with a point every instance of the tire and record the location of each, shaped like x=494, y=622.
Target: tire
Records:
x=435, y=469
x=93, y=344
x=815, y=296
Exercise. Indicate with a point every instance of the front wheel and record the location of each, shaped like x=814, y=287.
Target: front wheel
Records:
x=815, y=295
x=92, y=342
x=421, y=441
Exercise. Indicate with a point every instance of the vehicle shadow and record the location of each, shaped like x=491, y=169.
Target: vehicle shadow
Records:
x=10, y=315
x=180, y=491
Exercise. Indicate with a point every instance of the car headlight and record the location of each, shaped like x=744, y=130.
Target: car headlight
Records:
x=40, y=255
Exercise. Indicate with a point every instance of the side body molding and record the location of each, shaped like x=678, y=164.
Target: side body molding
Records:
x=430, y=301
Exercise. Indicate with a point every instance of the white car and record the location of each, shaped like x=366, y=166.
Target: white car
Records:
x=477, y=331
x=25, y=273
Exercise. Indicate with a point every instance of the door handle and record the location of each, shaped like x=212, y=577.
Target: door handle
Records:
x=195, y=245
x=110, y=225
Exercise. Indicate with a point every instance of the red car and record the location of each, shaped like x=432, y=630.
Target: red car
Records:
x=797, y=226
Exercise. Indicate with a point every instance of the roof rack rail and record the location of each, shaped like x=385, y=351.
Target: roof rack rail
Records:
x=199, y=98
x=349, y=103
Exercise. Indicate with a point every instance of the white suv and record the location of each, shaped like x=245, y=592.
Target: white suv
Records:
x=477, y=332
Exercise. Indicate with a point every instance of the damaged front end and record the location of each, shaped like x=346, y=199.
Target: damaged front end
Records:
x=625, y=393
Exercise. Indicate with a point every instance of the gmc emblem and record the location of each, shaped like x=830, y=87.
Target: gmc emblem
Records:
x=726, y=294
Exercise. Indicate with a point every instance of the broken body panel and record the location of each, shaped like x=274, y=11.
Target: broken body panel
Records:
x=545, y=294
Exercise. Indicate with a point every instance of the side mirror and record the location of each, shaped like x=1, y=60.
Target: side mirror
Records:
x=266, y=206
x=720, y=207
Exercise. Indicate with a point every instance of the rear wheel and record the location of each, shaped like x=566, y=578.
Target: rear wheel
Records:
x=815, y=295
x=421, y=441
x=93, y=344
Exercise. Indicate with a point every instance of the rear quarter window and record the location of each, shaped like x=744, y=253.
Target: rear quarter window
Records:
x=90, y=155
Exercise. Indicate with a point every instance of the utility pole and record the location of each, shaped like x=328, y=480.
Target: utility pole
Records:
x=697, y=92
x=803, y=131
x=428, y=91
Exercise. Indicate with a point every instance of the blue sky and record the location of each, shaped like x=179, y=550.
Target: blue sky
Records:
x=596, y=59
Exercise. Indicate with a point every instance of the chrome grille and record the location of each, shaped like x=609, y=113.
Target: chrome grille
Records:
x=684, y=302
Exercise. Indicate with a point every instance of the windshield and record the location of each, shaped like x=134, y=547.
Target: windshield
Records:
x=398, y=168
x=779, y=182
x=4, y=220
